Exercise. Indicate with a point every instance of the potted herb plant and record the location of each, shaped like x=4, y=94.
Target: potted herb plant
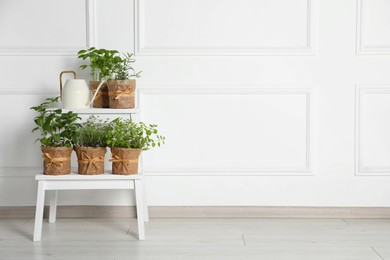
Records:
x=58, y=131
x=121, y=89
x=127, y=139
x=91, y=146
x=101, y=64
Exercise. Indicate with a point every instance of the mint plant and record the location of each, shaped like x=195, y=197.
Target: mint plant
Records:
x=125, y=133
x=101, y=62
x=108, y=64
x=56, y=128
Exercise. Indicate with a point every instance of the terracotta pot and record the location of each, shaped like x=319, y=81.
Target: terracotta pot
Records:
x=101, y=99
x=90, y=160
x=121, y=93
x=56, y=160
x=124, y=160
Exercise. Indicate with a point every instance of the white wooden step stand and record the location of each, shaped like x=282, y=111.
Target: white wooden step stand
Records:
x=75, y=181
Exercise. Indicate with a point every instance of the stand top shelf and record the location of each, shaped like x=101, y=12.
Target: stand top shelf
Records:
x=108, y=111
x=76, y=177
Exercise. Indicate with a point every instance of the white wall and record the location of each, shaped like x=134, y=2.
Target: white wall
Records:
x=282, y=103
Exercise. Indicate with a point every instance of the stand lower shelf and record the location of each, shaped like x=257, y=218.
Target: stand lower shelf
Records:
x=76, y=181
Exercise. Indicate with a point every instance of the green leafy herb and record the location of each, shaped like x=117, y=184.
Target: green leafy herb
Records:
x=124, y=70
x=108, y=64
x=56, y=128
x=125, y=133
x=101, y=62
x=92, y=133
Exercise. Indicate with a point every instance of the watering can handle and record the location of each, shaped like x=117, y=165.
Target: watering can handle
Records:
x=66, y=71
x=97, y=90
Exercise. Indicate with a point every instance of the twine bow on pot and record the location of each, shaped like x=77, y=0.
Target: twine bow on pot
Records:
x=91, y=161
x=54, y=160
x=124, y=162
x=118, y=94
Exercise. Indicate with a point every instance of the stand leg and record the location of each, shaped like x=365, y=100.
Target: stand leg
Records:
x=53, y=206
x=145, y=203
x=140, y=209
x=39, y=211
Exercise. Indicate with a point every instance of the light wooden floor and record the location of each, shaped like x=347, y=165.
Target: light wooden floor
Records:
x=221, y=239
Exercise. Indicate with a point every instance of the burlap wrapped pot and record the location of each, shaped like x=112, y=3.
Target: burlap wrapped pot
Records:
x=101, y=99
x=90, y=160
x=121, y=93
x=124, y=160
x=56, y=160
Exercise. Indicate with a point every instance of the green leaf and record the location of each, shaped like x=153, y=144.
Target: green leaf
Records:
x=56, y=130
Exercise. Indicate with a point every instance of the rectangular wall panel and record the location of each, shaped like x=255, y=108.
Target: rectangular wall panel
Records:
x=212, y=27
x=115, y=25
x=17, y=147
x=236, y=131
x=373, y=27
x=373, y=130
x=44, y=26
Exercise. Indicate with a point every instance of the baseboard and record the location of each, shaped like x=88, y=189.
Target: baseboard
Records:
x=202, y=212
x=270, y=212
x=71, y=212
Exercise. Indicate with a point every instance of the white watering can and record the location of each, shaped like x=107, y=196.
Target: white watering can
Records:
x=76, y=93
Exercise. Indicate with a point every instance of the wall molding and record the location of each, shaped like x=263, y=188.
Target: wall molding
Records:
x=308, y=49
x=91, y=23
x=27, y=212
x=360, y=168
x=307, y=170
x=144, y=91
x=60, y=51
x=20, y=91
x=361, y=47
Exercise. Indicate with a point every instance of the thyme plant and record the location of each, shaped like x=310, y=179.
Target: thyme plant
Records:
x=92, y=133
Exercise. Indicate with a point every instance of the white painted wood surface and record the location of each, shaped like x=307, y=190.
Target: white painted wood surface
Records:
x=75, y=181
x=103, y=111
x=73, y=176
x=53, y=206
x=207, y=67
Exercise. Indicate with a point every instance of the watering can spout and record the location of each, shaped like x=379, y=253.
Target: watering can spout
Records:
x=96, y=92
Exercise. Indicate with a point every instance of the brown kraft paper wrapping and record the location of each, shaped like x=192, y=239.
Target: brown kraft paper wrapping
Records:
x=101, y=99
x=121, y=93
x=124, y=160
x=90, y=160
x=56, y=160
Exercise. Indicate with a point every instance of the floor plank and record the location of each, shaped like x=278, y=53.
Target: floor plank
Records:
x=189, y=239
x=383, y=252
